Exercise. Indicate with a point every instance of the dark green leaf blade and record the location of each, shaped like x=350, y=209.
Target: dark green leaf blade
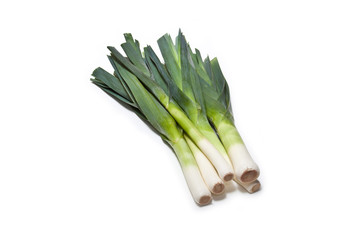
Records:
x=188, y=105
x=155, y=113
x=150, y=84
x=135, y=56
x=111, y=81
x=171, y=58
x=114, y=94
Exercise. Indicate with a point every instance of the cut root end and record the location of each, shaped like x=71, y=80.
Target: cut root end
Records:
x=249, y=176
x=256, y=187
x=218, y=188
x=228, y=177
x=204, y=200
x=250, y=187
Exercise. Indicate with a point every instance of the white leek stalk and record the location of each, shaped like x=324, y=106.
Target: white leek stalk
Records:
x=195, y=182
x=250, y=187
x=211, y=135
x=246, y=170
x=211, y=178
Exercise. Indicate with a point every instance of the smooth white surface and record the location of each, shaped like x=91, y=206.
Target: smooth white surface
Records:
x=207, y=170
x=74, y=164
x=241, y=159
x=196, y=184
x=223, y=167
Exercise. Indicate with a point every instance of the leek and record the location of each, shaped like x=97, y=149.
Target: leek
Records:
x=218, y=109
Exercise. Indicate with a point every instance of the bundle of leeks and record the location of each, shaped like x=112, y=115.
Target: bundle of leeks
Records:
x=186, y=100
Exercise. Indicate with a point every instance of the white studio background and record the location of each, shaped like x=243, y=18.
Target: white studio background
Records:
x=74, y=164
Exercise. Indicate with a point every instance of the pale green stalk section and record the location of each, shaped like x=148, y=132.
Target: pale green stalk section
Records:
x=228, y=134
x=225, y=128
x=209, y=133
x=183, y=120
x=183, y=152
